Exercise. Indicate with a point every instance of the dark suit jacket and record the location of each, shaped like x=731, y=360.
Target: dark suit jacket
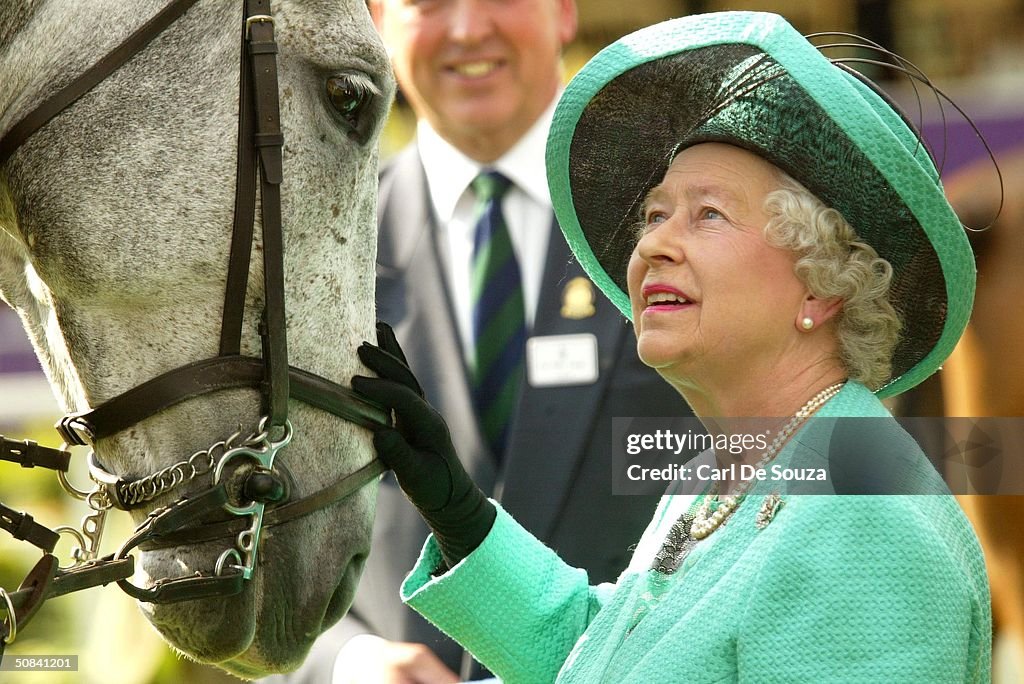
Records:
x=556, y=477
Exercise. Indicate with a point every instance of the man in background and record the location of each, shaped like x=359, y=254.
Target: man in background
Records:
x=531, y=420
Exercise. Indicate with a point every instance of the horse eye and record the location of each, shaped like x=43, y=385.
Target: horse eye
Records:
x=350, y=97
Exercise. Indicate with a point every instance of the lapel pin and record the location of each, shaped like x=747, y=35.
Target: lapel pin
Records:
x=578, y=299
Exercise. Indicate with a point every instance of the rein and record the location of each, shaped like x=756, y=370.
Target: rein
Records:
x=261, y=501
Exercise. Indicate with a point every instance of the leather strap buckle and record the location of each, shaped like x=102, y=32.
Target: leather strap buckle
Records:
x=257, y=18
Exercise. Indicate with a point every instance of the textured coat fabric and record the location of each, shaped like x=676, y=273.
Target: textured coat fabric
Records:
x=835, y=588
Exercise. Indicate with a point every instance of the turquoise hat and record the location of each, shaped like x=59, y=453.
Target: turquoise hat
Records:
x=750, y=79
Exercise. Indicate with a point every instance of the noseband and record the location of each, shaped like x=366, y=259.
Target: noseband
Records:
x=249, y=461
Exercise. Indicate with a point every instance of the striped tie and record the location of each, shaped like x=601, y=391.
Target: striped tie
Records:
x=499, y=322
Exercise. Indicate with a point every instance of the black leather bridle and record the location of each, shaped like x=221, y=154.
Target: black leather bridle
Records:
x=260, y=144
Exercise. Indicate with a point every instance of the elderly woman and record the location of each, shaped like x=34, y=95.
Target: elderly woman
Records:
x=795, y=256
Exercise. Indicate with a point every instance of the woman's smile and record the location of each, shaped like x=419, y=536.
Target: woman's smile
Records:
x=661, y=298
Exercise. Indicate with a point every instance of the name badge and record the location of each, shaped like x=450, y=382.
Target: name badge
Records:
x=560, y=360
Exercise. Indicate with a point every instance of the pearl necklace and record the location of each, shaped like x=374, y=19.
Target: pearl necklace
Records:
x=704, y=521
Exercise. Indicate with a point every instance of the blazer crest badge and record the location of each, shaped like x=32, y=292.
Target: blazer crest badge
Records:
x=578, y=299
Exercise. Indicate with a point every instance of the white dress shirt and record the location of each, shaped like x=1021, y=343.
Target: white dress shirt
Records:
x=526, y=207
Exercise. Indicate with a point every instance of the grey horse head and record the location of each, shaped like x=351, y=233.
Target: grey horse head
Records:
x=114, y=232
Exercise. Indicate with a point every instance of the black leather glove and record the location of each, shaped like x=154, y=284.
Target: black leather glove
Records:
x=419, y=450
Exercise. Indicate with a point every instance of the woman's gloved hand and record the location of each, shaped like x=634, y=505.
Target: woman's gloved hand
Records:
x=419, y=450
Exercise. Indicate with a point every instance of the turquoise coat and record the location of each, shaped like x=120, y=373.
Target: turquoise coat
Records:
x=834, y=588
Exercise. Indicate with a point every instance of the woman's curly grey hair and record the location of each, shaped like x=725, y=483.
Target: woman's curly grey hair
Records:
x=833, y=262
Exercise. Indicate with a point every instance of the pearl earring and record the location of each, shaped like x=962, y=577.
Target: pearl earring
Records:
x=807, y=323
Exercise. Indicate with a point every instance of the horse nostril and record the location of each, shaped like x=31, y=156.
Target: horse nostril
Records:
x=263, y=486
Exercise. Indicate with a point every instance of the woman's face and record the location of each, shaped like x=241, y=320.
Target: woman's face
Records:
x=710, y=296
